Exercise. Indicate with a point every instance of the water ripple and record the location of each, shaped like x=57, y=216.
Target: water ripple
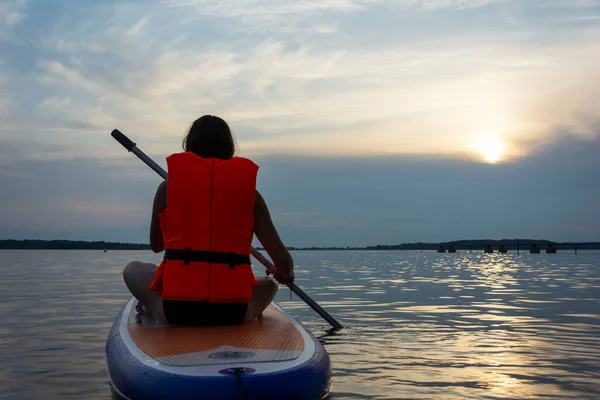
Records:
x=418, y=324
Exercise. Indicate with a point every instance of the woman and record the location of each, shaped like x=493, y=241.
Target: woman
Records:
x=206, y=232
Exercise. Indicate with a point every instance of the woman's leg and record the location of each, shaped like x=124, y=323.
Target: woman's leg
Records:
x=262, y=296
x=138, y=276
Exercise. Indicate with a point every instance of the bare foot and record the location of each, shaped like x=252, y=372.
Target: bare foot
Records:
x=142, y=309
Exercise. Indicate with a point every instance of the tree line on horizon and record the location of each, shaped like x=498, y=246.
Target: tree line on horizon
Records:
x=511, y=244
x=35, y=244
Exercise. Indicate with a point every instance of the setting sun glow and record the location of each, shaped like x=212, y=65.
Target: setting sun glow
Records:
x=492, y=150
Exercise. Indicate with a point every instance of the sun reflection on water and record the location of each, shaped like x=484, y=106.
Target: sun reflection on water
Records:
x=468, y=326
x=417, y=325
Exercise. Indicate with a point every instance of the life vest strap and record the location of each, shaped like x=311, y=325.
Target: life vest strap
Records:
x=189, y=255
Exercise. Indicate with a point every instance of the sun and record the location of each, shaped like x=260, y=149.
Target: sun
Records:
x=492, y=150
x=492, y=155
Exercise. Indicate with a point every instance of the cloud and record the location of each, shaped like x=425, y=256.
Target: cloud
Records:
x=414, y=91
x=12, y=12
x=367, y=116
x=133, y=68
x=6, y=102
x=271, y=10
x=265, y=9
x=323, y=201
x=13, y=18
x=70, y=194
x=449, y=4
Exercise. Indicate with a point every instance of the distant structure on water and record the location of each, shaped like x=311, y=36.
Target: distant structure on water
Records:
x=488, y=249
x=550, y=249
x=451, y=249
x=441, y=249
x=534, y=249
x=502, y=249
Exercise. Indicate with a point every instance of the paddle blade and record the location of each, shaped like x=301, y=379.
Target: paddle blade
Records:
x=124, y=140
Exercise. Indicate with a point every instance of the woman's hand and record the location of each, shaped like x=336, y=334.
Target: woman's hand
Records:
x=282, y=277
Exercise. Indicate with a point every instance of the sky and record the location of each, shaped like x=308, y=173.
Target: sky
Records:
x=373, y=121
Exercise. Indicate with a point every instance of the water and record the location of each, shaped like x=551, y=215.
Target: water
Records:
x=418, y=324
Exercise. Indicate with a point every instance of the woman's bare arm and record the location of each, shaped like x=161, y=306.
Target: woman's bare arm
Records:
x=269, y=238
x=160, y=203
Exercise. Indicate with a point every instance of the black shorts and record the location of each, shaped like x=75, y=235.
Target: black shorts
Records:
x=204, y=313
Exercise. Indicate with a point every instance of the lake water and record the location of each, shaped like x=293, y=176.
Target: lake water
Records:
x=419, y=325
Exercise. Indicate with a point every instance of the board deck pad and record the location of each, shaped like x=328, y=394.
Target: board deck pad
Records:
x=271, y=337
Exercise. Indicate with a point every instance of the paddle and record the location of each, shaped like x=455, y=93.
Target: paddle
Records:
x=130, y=146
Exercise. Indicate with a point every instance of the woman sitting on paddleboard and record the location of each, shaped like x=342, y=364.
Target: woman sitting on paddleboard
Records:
x=204, y=218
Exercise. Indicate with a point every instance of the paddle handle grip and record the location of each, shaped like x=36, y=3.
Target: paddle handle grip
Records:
x=131, y=146
x=121, y=138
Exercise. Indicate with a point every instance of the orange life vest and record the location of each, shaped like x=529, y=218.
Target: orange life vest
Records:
x=207, y=230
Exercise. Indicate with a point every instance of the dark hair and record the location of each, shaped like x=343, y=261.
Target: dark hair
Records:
x=210, y=137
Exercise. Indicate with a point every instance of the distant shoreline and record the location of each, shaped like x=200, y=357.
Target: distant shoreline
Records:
x=35, y=244
x=479, y=244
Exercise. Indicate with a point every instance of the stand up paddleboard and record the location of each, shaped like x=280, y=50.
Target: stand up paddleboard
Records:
x=273, y=357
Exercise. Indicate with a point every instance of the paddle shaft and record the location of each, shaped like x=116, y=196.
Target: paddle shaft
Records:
x=131, y=146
